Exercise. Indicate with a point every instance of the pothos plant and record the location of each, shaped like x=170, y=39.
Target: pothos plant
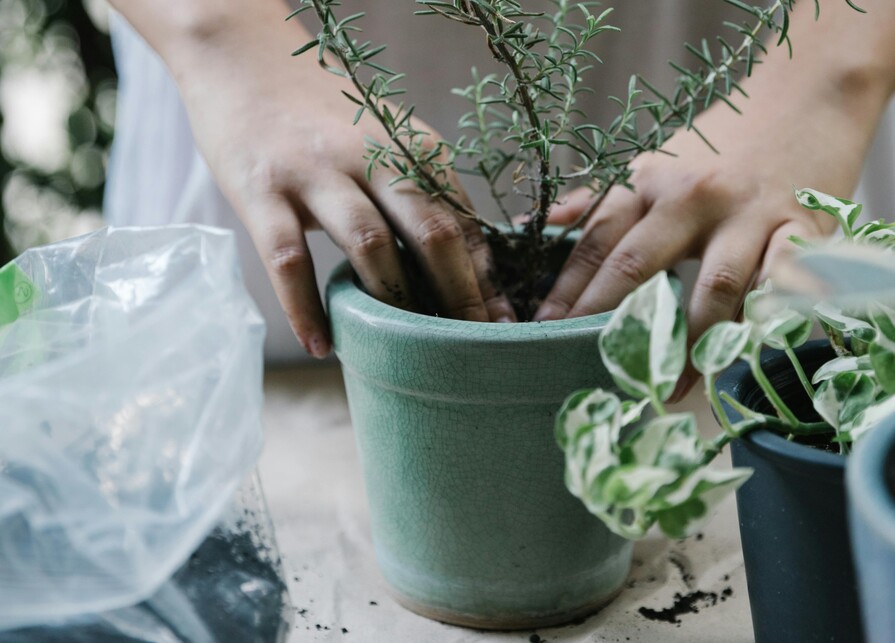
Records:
x=519, y=119
x=633, y=476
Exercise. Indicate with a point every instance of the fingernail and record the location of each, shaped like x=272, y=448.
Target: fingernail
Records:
x=505, y=319
x=318, y=345
x=545, y=313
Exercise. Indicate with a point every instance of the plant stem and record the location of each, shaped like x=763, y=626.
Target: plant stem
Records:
x=712, y=394
x=538, y=220
x=802, y=428
x=657, y=404
x=803, y=378
x=768, y=388
x=715, y=447
x=436, y=189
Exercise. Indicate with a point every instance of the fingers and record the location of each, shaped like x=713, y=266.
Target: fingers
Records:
x=359, y=229
x=275, y=229
x=498, y=306
x=649, y=247
x=621, y=210
x=780, y=246
x=436, y=237
x=729, y=264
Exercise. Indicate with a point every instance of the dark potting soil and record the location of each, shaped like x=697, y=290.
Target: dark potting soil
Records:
x=689, y=603
x=229, y=590
x=785, y=381
x=522, y=272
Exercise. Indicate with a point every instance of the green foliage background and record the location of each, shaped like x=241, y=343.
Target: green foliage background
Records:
x=71, y=35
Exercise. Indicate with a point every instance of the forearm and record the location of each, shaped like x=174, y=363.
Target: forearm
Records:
x=840, y=79
x=192, y=35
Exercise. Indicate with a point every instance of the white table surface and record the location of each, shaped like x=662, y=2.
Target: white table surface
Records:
x=314, y=489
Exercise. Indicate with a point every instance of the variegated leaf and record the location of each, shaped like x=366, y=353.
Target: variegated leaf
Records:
x=868, y=419
x=752, y=311
x=842, y=365
x=878, y=233
x=644, y=346
x=773, y=322
x=689, y=506
x=649, y=443
x=838, y=319
x=587, y=408
x=840, y=399
x=590, y=458
x=845, y=212
x=720, y=346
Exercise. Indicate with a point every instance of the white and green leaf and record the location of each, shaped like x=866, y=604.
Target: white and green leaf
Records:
x=585, y=409
x=644, y=346
x=689, y=506
x=836, y=318
x=845, y=212
x=839, y=365
x=842, y=398
x=663, y=441
x=720, y=346
x=868, y=419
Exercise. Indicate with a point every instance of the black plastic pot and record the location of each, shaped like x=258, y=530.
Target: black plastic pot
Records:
x=792, y=514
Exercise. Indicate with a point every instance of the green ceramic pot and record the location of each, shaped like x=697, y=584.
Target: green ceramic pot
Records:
x=471, y=519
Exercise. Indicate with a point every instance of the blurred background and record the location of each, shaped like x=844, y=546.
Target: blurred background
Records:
x=57, y=114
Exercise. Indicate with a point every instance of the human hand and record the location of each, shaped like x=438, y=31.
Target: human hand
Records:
x=734, y=210
x=277, y=135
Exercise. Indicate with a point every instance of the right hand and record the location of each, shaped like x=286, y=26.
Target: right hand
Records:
x=277, y=135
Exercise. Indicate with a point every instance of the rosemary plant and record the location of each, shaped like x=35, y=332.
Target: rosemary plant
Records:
x=519, y=119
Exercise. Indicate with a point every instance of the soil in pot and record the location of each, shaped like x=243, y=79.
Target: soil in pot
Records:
x=522, y=272
x=785, y=381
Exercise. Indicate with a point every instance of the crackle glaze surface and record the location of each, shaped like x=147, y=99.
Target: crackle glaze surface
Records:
x=454, y=422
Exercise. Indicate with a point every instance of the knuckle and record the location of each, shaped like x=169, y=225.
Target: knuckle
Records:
x=439, y=230
x=710, y=186
x=289, y=260
x=469, y=307
x=369, y=240
x=627, y=265
x=475, y=240
x=263, y=178
x=589, y=256
x=723, y=281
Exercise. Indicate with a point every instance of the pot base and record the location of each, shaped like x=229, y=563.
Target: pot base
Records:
x=506, y=622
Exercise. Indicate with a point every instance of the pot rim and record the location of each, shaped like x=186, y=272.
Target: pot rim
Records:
x=868, y=491
x=777, y=446
x=343, y=290
x=342, y=286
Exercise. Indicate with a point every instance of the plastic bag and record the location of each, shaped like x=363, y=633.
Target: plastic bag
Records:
x=130, y=405
x=230, y=589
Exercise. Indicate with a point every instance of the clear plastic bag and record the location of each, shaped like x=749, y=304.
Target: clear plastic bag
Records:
x=130, y=411
x=232, y=588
